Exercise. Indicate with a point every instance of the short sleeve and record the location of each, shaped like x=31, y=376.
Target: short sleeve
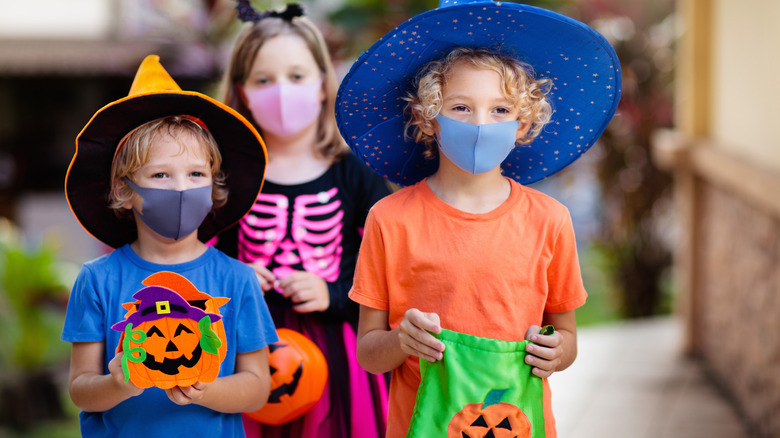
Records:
x=254, y=327
x=370, y=285
x=84, y=319
x=566, y=290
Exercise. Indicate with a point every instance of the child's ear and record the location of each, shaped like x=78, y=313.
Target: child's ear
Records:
x=522, y=130
x=323, y=94
x=118, y=186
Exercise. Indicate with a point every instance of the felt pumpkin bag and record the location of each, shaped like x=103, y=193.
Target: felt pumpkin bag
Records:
x=481, y=387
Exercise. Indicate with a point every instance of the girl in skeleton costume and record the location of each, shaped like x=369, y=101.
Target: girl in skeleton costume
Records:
x=303, y=234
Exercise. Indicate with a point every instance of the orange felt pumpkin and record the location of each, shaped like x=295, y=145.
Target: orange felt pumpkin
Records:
x=490, y=419
x=166, y=342
x=196, y=298
x=298, y=377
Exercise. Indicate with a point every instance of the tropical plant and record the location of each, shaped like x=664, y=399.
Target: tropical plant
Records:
x=32, y=306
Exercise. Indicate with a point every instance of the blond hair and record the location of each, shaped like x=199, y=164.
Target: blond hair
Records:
x=518, y=82
x=134, y=150
x=329, y=142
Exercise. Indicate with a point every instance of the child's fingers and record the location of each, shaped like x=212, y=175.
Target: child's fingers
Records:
x=411, y=345
x=541, y=366
x=176, y=395
x=192, y=393
x=533, y=331
x=414, y=336
x=533, y=334
x=314, y=305
x=425, y=321
x=541, y=352
x=115, y=369
x=542, y=357
x=264, y=276
x=295, y=282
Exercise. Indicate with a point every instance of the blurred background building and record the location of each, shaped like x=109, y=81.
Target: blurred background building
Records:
x=725, y=156
x=675, y=208
x=62, y=61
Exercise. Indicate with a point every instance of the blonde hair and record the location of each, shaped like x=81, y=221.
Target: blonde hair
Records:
x=519, y=85
x=134, y=149
x=329, y=142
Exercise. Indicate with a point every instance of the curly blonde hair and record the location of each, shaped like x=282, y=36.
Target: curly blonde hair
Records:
x=519, y=85
x=134, y=149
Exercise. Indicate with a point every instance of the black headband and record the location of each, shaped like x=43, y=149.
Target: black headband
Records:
x=247, y=13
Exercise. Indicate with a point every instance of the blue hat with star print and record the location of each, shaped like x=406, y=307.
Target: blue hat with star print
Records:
x=582, y=65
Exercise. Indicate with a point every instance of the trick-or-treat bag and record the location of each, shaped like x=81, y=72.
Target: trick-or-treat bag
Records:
x=482, y=387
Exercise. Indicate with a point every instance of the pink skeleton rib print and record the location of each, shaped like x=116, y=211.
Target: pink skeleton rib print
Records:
x=306, y=237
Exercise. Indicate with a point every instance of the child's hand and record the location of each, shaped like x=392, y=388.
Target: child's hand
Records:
x=266, y=278
x=186, y=395
x=415, y=339
x=307, y=291
x=544, y=351
x=115, y=368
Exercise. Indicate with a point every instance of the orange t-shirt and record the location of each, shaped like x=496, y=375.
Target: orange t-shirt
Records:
x=491, y=275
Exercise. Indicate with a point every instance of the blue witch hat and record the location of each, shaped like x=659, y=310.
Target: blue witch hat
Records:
x=582, y=65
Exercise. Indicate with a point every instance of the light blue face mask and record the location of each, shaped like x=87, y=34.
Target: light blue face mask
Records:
x=476, y=148
x=173, y=213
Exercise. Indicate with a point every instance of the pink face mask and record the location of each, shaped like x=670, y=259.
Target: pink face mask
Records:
x=285, y=108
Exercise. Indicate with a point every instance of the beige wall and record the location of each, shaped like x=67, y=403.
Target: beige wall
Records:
x=745, y=81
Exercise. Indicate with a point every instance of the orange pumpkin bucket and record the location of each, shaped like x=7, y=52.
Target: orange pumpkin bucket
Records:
x=299, y=374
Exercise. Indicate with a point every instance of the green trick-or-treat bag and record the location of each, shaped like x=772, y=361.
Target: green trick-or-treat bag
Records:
x=481, y=388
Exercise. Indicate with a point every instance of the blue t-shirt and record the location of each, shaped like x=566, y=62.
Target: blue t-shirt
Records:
x=95, y=304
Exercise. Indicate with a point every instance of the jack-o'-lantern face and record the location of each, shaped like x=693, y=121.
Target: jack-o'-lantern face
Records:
x=285, y=385
x=491, y=419
x=194, y=297
x=166, y=342
x=171, y=344
x=298, y=377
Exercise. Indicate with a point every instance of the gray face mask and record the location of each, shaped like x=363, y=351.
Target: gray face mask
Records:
x=173, y=213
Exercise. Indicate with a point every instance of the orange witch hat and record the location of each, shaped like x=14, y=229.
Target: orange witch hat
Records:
x=154, y=94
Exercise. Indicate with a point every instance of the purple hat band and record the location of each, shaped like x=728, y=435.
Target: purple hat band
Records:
x=159, y=302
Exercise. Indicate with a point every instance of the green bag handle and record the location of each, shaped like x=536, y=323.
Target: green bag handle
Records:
x=547, y=330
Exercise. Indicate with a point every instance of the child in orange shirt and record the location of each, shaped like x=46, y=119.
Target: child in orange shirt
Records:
x=466, y=247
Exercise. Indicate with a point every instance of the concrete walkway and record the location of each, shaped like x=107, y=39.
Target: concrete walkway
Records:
x=631, y=381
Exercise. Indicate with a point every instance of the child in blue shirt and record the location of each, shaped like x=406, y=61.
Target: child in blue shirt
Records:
x=150, y=178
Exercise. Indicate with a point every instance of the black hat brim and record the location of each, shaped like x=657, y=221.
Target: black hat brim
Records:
x=87, y=183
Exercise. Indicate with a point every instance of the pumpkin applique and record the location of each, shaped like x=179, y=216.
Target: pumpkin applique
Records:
x=201, y=300
x=167, y=342
x=299, y=374
x=481, y=387
x=491, y=419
